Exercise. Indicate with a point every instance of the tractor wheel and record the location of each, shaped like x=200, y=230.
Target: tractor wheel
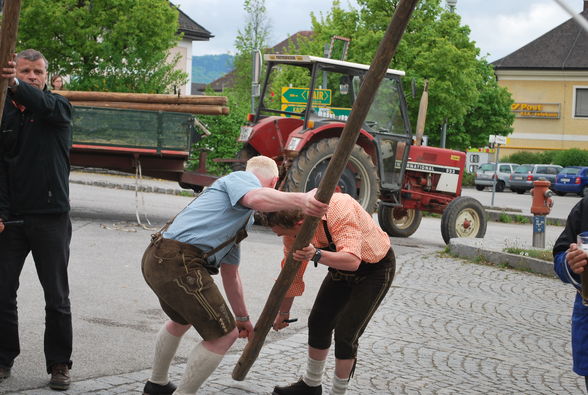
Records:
x=359, y=179
x=244, y=154
x=398, y=221
x=463, y=217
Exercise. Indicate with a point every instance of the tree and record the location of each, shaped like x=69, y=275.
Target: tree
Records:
x=105, y=45
x=462, y=89
x=222, y=142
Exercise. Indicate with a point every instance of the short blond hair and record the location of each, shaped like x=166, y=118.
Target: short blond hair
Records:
x=262, y=166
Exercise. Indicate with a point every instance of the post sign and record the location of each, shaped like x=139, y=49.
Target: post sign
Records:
x=300, y=95
x=496, y=139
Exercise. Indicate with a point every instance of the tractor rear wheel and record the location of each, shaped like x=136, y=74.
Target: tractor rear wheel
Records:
x=359, y=179
x=243, y=155
x=463, y=217
x=398, y=221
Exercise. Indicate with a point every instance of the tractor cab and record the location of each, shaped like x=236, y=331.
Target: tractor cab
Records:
x=304, y=105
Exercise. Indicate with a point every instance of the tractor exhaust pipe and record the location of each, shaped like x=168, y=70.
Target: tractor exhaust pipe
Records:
x=420, y=125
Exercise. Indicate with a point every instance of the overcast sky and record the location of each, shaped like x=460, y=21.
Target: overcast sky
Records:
x=499, y=27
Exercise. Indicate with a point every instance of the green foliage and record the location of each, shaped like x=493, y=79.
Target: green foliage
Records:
x=105, y=45
x=462, y=88
x=571, y=157
x=527, y=157
x=468, y=179
x=546, y=255
x=222, y=143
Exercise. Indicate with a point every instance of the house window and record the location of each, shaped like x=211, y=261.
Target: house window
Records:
x=581, y=109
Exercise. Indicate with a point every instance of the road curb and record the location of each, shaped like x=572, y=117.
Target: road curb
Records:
x=475, y=249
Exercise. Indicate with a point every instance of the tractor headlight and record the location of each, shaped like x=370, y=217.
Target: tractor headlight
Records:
x=293, y=144
x=245, y=133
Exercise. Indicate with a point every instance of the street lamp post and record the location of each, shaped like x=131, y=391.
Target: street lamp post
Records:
x=451, y=4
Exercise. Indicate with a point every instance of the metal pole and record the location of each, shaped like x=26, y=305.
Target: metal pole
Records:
x=443, y=133
x=495, y=178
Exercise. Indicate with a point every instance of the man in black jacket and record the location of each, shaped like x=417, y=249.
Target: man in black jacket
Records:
x=35, y=138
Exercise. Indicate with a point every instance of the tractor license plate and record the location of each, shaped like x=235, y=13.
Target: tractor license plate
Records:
x=565, y=180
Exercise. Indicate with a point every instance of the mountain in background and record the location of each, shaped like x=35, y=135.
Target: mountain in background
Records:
x=207, y=68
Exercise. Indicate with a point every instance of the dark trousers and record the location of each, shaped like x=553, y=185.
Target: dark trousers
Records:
x=345, y=304
x=47, y=237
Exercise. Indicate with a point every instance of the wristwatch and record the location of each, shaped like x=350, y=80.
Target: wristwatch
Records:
x=316, y=257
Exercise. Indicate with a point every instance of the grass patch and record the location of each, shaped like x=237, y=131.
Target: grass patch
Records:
x=513, y=219
x=545, y=255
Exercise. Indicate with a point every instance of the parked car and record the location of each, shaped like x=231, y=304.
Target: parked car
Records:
x=521, y=180
x=572, y=179
x=485, y=175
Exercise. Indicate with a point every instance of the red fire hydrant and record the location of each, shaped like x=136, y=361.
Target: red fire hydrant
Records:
x=540, y=207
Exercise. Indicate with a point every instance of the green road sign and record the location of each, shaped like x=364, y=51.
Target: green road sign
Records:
x=300, y=95
x=338, y=113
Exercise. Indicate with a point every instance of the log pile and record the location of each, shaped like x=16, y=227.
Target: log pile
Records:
x=205, y=105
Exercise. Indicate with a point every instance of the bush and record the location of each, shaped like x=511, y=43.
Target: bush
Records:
x=468, y=179
x=526, y=157
x=571, y=157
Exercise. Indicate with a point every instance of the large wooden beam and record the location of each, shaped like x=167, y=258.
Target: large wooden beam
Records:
x=143, y=98
x=8, y=31
x=187, y=108
x=327, y=186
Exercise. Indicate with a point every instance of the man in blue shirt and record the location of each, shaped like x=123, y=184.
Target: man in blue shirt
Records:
x=569, y=262
x=203, y=240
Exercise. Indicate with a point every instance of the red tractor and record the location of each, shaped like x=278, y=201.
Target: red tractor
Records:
x=299, y=126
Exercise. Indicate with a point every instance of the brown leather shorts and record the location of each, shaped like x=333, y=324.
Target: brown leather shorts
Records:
x=186, y=291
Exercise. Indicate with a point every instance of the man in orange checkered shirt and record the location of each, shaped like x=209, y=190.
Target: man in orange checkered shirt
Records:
x=361, y=266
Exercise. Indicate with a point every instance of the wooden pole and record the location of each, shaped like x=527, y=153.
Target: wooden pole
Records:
x=422, y=117
x=142, y=98
x=328, y=183
x=187, y=108
x=8, y=31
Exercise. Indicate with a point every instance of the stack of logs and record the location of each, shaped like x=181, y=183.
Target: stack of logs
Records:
x=206, y=105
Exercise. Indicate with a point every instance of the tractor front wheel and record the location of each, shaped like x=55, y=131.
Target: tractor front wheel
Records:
x=463, y=217
x=359, y=179
x=398, y=221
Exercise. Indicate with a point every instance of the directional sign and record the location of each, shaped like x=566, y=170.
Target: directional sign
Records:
x=338, y=113
x=300, y=95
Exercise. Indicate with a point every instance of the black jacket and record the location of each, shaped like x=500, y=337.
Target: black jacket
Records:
x=576, y=223
x=34, y=153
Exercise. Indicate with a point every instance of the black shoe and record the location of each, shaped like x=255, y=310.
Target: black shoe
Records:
x=299, y=388
x=4, y=373
x=60, y=379
x=158, y=389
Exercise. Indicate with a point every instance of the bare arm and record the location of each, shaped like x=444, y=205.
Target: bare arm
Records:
x=283, y=314
x=337, y=260
x=234, y=291
x=269, y=200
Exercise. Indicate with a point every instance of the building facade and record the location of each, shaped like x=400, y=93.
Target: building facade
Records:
x=548, y=80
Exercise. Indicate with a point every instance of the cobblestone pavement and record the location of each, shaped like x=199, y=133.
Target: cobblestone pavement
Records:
x=447, y=326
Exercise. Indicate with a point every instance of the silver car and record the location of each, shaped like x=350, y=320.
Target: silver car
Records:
x=524, y=175
x=486, y=173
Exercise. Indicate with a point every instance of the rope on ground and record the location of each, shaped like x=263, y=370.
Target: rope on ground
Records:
x=140, y=199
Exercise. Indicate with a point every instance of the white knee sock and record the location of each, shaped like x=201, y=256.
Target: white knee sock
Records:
x=201, y=363
x=166, y=346
x=314, y=372
x=339, y=386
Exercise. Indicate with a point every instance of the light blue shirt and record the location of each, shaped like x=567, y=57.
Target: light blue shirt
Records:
x=216, y=216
